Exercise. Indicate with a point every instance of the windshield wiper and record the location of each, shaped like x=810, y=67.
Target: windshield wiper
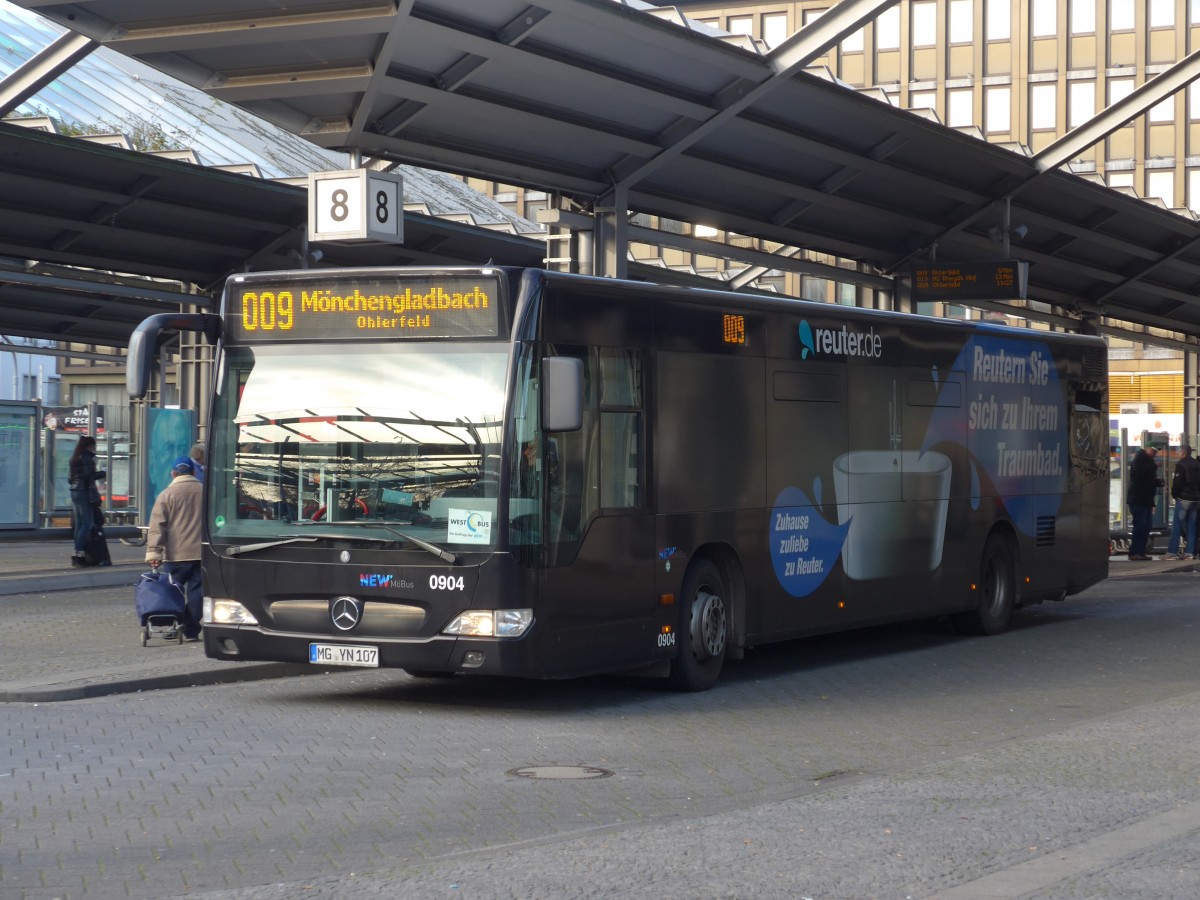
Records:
x=440, y=552
x=239, y=549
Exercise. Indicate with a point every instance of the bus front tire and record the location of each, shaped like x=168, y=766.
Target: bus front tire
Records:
x=997, y=589
x=703, y=632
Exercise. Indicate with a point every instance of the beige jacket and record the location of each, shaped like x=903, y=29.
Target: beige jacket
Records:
x=174, y=534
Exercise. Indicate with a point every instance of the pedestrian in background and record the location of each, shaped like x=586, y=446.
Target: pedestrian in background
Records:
x=1143, y=486
x=1185, y=488
x=173, y=539
x=85, y=496
x=198, y=461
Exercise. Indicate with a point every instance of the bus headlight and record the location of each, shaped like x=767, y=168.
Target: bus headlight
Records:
x=220, y=611
x=490, y=623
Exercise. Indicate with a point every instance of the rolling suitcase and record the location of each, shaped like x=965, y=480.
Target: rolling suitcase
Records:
x=160, y=602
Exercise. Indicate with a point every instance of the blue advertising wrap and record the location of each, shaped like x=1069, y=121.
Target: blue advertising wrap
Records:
x=1015, y=430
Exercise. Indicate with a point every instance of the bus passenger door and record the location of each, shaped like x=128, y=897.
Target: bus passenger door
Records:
x=806, y=428
x=599, y=549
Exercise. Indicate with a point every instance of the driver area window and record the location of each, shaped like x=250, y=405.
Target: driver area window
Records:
x=600, y=468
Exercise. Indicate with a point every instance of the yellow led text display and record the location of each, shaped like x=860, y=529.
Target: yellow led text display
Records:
x=268, y=310
x=277, y=312
x=734, y=328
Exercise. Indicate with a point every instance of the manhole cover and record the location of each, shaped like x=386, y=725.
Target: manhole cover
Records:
x=559, y=773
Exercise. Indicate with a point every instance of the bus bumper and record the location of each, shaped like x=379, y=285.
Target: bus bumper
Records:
x=441, y=653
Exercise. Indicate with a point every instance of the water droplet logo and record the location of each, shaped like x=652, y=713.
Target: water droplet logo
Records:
x=806, y=340
x=804, y=546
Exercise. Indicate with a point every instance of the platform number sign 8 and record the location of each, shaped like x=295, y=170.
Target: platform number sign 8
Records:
x=358, y=205
x=384, y=201
x=340, y=206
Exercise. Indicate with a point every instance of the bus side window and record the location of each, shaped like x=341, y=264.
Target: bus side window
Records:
x=620, y=460
x=620, y=428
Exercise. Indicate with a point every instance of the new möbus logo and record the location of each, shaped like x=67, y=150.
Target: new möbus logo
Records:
x=839, y=342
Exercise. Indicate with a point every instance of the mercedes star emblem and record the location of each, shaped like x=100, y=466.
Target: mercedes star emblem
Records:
x=345, y=613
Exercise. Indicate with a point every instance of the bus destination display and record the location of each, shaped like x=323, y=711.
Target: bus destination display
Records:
x=456, y=306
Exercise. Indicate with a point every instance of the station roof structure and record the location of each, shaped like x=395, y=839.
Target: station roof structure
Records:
x=186, y=225
x=606, y=104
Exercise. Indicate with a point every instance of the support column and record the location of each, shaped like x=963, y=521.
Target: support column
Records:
x=1191, y=400
x=580, y=239
x=195, y=374
x=584, y=250
x=612, y=234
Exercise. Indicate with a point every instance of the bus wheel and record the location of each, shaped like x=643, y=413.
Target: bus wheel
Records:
x=703, y=630
x=997, y=589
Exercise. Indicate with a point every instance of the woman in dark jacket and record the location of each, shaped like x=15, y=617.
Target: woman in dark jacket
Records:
x=85, y=496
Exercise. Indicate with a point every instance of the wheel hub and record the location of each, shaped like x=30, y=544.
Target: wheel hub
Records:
x=708, y=626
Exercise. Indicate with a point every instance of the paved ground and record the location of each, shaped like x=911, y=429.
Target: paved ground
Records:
x=65, y=636
x=59, y=642
x=1056, y=761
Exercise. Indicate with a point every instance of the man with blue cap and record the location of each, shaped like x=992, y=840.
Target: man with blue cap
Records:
x=173, y=540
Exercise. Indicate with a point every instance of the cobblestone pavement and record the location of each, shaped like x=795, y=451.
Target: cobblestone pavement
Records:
x=72, y=633
x=1057, y=760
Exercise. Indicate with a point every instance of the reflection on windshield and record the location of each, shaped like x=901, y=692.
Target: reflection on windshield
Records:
x=406, y=434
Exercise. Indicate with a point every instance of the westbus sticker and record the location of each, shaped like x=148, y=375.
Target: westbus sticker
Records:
x=804, y=546
x=469, y=526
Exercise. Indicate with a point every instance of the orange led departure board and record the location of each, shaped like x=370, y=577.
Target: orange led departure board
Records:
x=1002, y=280
x=453, y=306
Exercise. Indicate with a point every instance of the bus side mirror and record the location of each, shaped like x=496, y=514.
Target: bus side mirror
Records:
x=143, y=344
x=562, y=393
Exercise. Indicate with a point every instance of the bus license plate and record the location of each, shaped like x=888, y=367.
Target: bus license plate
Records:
x=343, y=655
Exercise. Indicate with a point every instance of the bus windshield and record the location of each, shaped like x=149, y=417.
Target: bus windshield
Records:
x=345, y=435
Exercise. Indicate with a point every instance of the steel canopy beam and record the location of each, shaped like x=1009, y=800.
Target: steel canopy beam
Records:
x=787, y=259
x=789, y=57
x=738, y=95
x=1072, y=144
x=42, y=69
x=94, y=287
x=1157, y=89
x=255, y=28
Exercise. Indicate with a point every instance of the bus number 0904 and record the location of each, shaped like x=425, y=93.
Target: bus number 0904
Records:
x=445, y=583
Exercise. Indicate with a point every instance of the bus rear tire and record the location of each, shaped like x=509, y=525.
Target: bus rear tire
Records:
x=703, y=633
x=997, y=589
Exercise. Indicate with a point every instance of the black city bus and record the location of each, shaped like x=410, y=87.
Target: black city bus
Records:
x=518, y=472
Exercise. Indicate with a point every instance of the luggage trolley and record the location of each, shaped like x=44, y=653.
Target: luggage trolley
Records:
x=161, y=602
